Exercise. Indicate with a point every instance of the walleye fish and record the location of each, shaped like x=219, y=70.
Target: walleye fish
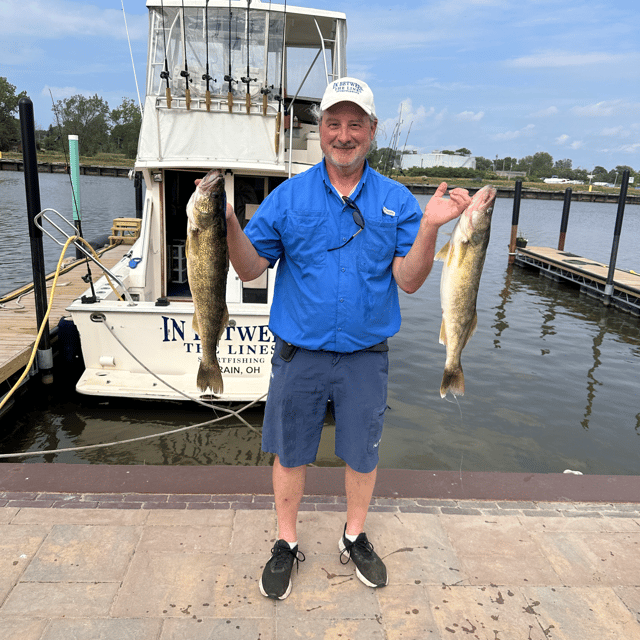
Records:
x=463, y=258
x=207, y=267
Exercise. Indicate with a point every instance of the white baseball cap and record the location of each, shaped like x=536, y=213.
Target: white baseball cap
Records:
x=349, y=90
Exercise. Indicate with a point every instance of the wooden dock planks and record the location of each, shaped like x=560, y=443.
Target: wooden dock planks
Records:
x=18, y=327
x=590, y=274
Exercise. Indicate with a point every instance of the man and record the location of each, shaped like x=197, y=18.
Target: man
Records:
x=345, y=237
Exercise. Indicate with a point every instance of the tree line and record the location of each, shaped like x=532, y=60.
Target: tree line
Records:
x=99, y=128
x=536, y=167
x=104, y=130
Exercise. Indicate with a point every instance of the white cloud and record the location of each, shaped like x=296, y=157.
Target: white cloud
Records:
x=470, y=116
x=545, y=113
x=559, y=58
x=562, y=139
x=607, y=108
x=614, y=132
x=577, y=144
x=512, y=135
x=55, y=19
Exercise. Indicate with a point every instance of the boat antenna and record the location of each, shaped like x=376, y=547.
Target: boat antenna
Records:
x=135, y=77
x=164, y=74
x=88, y=278
x=185, y=72
x=265, y=91
x=228, y=78
x=280, y=97
x=206, y=75
x=248, y=79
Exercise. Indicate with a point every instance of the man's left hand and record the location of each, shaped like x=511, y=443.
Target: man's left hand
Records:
x=439, y=211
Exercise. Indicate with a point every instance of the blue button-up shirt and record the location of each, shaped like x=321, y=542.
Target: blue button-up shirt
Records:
x=342, y=300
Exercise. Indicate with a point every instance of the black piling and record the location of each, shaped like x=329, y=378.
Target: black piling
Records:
x=32, y=189
x=517, y=196
x=565, y=218
x=608, y=289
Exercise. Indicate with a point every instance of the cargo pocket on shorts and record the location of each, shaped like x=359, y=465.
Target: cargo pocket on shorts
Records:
x=375, y=429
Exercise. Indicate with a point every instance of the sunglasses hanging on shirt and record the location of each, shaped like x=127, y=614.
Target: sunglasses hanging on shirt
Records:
x=357, y=218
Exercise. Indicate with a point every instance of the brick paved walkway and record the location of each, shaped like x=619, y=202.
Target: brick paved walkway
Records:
x=141, y=566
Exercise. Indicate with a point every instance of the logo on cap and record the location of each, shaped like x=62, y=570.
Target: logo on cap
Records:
x=348, y=87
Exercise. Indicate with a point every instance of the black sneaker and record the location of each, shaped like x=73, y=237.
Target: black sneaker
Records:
x=369, y=567
x=276, y=577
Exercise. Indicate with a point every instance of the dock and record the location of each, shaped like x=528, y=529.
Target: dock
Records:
x=10, y=164
x=18, y=326
x=589, y=275
x=418, y=188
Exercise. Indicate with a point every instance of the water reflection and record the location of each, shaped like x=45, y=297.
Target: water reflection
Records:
x=551, y=381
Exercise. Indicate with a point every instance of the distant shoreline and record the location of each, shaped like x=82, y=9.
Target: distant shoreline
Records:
x=13, y=164
x=555, y=192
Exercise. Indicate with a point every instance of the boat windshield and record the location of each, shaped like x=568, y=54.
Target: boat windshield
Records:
x=243, y=50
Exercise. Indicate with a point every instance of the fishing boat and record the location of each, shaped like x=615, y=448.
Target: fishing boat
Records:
x=231, y=86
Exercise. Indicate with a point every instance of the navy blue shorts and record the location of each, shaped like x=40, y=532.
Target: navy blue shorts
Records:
x=356, y=385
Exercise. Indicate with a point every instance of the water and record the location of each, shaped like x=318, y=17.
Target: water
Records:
x=101, y=200
x=551, y=374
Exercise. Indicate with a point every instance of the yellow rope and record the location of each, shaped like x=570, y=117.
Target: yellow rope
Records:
x=34, y=351
x=28, y=287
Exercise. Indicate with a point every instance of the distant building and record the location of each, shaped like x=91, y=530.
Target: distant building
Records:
x=437, y=159
x=511, y=174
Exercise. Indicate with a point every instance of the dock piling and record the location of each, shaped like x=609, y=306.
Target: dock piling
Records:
x=565, y=218
x=32, y=189
x=608, y=289
x=517, y=196
x=74, y=161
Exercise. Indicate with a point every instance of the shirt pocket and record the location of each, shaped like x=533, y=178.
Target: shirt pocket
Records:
x=378, y=245
x=305, y=237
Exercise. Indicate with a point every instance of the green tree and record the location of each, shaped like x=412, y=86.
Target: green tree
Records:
x=88, y=118
x=126, y=120
x=541, y=165
x=482, y=164
x=563, y=168
x=9, y=124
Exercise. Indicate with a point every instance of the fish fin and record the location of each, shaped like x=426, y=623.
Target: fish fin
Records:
x=443, y=253
x=195, y=325
x=210, y=376
x=443, y=334
x=452, y=380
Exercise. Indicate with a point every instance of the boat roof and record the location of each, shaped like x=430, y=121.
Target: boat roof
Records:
x=242, y=4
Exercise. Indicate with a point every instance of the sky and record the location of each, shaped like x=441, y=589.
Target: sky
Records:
x=502, y=78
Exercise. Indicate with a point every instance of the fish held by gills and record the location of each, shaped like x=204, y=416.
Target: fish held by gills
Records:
x=207, y=268
x=463, y=258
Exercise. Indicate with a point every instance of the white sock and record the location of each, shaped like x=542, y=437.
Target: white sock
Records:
x=350, y=538
x=293, y=545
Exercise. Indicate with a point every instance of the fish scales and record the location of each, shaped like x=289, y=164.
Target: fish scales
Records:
x=463, y=256
x=207, y=268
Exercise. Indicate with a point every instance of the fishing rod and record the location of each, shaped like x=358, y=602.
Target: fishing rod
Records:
x=164, y=74
x=247, y=79
x=206, y=75
x=228, y=78
x=265, y=91
x=185, y=72
x=280, y=97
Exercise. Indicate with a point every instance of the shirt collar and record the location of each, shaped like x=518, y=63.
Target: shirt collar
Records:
x=356, y=191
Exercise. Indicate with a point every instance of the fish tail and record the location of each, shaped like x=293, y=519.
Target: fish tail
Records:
x=209, y=375
x=452, y=380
